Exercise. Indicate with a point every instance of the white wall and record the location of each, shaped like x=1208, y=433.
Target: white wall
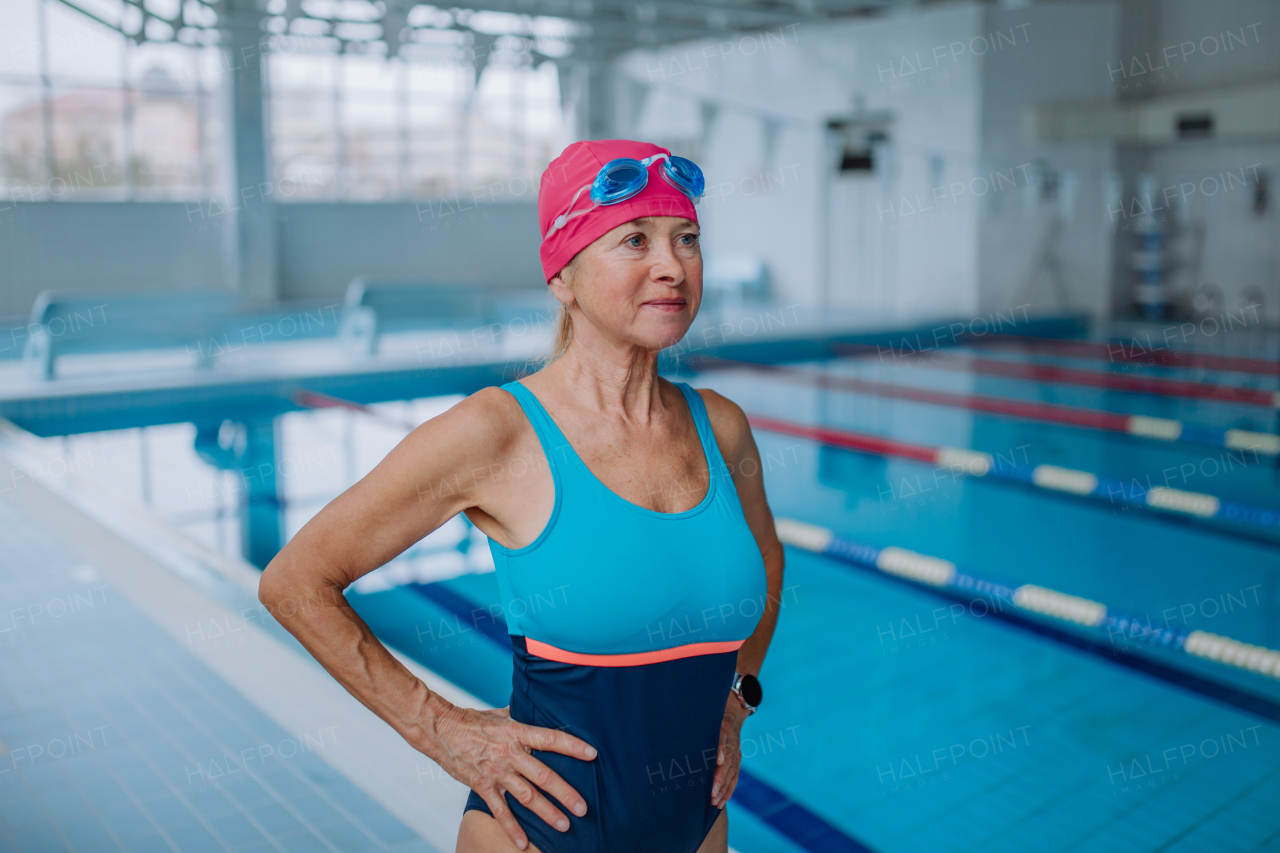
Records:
x=885, y=256
x=115, y=247
x=1064, y=58
x=103, y=246
x=1206, y=66
x=897, y=244
x=950, y=224
x=323, y=246
x=1240, y=247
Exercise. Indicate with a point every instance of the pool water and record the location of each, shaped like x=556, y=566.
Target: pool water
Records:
x=910, y=723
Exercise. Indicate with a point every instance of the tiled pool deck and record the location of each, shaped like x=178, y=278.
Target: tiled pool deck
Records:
x=115, y=734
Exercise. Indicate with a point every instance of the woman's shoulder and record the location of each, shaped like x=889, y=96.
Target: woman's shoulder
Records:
x=728, y=421
x=487, y=421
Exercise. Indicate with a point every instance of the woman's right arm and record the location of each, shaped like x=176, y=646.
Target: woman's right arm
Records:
x=452, y=462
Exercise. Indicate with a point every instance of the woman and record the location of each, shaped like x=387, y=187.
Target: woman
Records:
x=636, y=556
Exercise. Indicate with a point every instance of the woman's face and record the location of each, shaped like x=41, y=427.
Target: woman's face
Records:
x=639, y=284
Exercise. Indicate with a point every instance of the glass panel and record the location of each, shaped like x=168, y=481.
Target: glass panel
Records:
x=88, y=143
x=208, y=115
x=365, y=75
x=304, y=146
x=162, y=128
x=433, y=147
x=166, y=142
x=22, y=163
x=19, y=39
x=496, y=116
x=211, y=68
x=390, y=143
x=373, y=149
x=81, y=50
x=369, y=122
x=304, y=143
x=161, y=69
x=295, y=74
x=433, y=78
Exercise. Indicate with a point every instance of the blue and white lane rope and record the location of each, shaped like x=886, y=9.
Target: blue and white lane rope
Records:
x=936, y=572
x=1166, y=429
x=1164, y=498
x=976, y=463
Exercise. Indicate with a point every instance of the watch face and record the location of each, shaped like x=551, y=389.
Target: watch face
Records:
x=751, y=692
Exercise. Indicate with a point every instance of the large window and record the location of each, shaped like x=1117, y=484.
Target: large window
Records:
x=88, y=113
x=362, y=127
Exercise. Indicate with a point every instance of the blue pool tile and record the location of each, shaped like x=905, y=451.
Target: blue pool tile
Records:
x=135, y=775
x=64, y=804
x=247, y=792
x=43, y=838
x=149, y=844
x=160, y=753
x=194, y=839
x=21, y=810
x=304, y=843
x=312, y=807
x=208, y=800
x=284, y=782
x=46, y=774
x=345, y=835
x=383, y=826
x=86, y=832
x=234, y=829
x=126, y=821
x=275, y=818
x=415, y=846
x=168, y=810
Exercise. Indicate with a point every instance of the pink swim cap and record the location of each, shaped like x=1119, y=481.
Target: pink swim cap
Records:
x=577, y=167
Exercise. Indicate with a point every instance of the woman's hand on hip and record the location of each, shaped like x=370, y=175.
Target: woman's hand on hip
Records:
x=729, y=754
x=490, y=753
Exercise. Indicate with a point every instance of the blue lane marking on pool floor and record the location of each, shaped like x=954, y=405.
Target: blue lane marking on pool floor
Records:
x=478, y=618
x=790, y=819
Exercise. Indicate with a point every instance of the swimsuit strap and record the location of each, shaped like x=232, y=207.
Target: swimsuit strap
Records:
x=557, y=447
x=554, y=445
x=702, y=421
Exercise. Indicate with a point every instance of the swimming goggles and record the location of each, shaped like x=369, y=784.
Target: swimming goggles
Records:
x=624, y=178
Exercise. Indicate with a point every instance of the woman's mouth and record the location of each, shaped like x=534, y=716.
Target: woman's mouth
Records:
x=668, y=306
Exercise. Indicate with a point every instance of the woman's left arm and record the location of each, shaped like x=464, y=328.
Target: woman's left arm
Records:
x=738, y=447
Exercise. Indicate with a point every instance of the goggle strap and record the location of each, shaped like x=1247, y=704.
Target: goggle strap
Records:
x=563, y=219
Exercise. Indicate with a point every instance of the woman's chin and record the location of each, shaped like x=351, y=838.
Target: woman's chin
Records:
x=662, y=335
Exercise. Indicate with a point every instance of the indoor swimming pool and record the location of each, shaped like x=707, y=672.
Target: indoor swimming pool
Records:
x=905, y=716
x=891, y=708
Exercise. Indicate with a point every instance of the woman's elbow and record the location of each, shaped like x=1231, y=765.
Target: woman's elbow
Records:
x=273, y=585
x=280, y=580
x=291, y=583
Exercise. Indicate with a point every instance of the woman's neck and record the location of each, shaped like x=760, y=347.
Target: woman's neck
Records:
x=619, y=380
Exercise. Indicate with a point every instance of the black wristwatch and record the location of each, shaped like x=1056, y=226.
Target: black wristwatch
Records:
x=747, y=689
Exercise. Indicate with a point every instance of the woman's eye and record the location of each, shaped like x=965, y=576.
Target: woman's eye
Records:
x=635, y=242
x=688, y=239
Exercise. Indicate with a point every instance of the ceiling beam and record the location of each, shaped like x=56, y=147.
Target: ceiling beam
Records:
x=615, y=26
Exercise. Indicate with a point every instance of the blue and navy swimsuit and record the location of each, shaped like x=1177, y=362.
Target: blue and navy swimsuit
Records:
x=625, y=625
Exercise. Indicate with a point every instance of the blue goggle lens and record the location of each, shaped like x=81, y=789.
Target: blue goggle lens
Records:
x=684, y=175
x=619, y=180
